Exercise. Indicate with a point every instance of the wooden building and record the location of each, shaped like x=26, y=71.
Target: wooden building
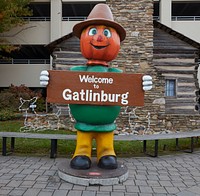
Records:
x=176, y=60
x=66, y=52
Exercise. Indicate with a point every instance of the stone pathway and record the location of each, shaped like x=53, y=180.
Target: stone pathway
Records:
x=166, y=175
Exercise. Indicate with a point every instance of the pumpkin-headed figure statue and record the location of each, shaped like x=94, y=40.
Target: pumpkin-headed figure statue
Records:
x=100, y=39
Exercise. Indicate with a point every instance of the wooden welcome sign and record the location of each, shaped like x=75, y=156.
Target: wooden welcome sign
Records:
x=97, y=88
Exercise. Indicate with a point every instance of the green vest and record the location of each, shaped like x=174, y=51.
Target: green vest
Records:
x=99, y=118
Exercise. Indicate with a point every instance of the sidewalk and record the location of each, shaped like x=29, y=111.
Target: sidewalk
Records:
x=167, y=175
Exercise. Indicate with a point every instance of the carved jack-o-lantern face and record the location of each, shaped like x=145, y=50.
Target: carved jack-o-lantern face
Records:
x=99, y=44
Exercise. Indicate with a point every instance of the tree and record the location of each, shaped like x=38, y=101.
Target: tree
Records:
x=11, y=15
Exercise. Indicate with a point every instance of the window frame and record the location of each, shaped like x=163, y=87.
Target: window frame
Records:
x=167, y=86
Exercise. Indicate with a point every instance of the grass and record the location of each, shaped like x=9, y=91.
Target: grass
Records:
x=36, y=146
x=40, y=147
x=11, y=126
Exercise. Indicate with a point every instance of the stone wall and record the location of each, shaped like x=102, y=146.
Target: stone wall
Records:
x=136, y=56
x=137, y=49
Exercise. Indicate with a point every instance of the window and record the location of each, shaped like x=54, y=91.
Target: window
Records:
x=156, y=9
x=76, y=11
x=185, y=9
x=41, y=12
x=40, y=9
x=27, y=54
x=170, y=88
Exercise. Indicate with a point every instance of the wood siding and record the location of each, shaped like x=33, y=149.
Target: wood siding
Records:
x=67, y=54
x=175, y=59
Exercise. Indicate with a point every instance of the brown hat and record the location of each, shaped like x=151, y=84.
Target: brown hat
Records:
x=100, y=15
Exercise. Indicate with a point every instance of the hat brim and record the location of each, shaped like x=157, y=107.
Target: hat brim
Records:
x=78, y=28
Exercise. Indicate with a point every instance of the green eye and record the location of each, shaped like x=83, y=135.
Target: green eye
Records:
x=93, y=31
x=107, y=33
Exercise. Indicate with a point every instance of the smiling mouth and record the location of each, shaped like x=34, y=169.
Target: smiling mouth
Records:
x=99, y=47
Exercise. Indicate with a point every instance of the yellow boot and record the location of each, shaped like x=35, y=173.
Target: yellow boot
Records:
x=82, y=155
x=105, y=150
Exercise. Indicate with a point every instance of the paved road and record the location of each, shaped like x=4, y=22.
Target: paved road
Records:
x=166, y=175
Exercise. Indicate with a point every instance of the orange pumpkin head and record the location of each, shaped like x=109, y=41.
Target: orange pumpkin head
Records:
x=99, y=44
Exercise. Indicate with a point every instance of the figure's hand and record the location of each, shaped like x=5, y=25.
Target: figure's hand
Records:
x=147, y=82
x=44, y=78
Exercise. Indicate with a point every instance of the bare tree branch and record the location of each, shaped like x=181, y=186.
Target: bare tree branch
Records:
x=23, y=29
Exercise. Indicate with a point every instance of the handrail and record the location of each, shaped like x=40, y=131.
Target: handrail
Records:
x=181, y=18
x=32, y=18
x=76, y=18
x=65, y=18
x=156, y=18
x=81, y=18
x=185, y=18
x=24, y=61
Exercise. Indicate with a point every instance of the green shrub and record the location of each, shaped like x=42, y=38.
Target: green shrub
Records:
x=41, y=105
x=8, y=101
x=7, y=114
